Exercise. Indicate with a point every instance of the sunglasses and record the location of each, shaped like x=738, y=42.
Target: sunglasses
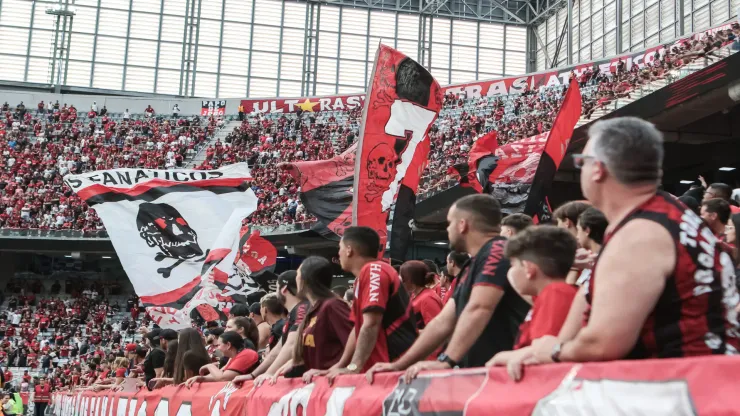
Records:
x=579, y=159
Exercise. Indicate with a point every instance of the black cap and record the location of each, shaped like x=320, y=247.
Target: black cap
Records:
x=153, y=335
x=168, y=334
x=288, y=279
x=255, y=308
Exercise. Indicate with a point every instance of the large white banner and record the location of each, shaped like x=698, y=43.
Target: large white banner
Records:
x=170, y=229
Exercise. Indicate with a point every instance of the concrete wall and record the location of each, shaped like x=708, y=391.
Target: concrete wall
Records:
x=136, y=105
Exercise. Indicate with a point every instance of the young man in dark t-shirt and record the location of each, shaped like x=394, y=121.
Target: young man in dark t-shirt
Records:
x=484, y=314
x=384, y=324
x=273, y=313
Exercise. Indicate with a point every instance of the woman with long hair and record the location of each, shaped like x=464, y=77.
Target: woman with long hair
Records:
x=248, y=330
x=325, y=328
x=190, y=341
x=169, y=366
x=241, y=361
x=324, y=331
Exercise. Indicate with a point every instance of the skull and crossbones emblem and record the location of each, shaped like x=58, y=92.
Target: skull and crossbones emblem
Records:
x=381, y=169
x=162, y=226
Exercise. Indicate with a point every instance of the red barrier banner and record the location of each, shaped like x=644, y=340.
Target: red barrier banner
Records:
x=676, y=387
x=476, y=89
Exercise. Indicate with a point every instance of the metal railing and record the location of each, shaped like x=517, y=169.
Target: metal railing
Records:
x=29, y=233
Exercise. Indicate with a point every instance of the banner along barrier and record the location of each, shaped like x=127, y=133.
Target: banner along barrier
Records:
x=475, y=89
x=676, y=387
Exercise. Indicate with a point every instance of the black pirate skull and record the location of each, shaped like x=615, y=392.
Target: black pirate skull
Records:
x=162, y=226
x=381, y=169
x=381, y=163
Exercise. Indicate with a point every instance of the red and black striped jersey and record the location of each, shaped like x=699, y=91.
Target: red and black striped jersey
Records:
x=695, y=313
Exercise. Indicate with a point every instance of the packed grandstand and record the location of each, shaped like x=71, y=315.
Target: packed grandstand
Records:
x=90, y=336
x=42, y=144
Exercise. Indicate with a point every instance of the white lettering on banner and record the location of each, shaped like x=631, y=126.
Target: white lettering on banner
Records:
x=84, y=407
x=185, y=409
x=338, y=105
x=324, y=104
x=291, y=105
x=552, y=81
x=163, y=408
x=519, y=85
x=497, y=88
x=216, y=401
x=374, y=282
x=405, y=117
x=265, y=107
x=354, y=102
x=104, y=407
x=142, y=409
x=339, y=396
x=123, y=406
x=289, y=404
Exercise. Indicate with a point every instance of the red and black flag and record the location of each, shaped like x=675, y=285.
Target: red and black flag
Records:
x=326, y=190
x=557, y=143
x=520, y=173
x=482, y=161
x=403, y=101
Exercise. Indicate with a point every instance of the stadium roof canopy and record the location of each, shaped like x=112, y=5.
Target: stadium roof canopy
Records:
x=523, y=12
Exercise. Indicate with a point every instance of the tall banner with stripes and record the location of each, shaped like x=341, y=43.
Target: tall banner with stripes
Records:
x=403, y=102
x=176, y=233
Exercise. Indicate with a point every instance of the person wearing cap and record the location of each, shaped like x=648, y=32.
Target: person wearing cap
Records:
x=287, y=292
x=154, y=363
x=255, y=312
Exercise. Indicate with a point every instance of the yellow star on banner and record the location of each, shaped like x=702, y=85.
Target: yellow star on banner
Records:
x=306, y=105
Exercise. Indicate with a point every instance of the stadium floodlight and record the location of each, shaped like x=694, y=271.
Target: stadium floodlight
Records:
x=107, y=257
x=280, y=257
x=726, y=169
x=687, y=182
x=441, y=243
x=61, y=10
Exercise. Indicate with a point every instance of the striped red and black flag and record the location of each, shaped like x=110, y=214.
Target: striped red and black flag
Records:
x=403, y=101
x=326, y=191
x=519, y=174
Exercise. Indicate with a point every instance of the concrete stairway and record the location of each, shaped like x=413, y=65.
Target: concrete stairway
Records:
x=220, y=135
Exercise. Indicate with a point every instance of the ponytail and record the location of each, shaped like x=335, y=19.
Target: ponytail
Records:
x=430, y=279
x=416, y=273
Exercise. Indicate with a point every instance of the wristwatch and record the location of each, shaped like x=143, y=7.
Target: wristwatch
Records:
x=352, y=367
x=555, y=355
x=444, y=358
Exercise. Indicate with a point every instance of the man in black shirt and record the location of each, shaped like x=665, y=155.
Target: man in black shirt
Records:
x=154, y=363
x=273, y=313
x=484, y=313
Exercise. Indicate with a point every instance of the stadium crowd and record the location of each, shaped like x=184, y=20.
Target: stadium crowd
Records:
x=39, y=148
x=511, y=294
